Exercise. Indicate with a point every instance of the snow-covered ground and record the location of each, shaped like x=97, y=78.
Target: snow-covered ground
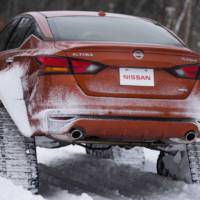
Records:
x=69, y=174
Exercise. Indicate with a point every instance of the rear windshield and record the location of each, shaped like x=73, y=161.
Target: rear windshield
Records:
x=110, y=29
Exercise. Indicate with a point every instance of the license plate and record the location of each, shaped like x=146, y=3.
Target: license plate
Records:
x=136, y=76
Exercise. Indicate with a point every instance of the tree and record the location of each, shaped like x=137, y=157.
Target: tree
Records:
x=179, y=15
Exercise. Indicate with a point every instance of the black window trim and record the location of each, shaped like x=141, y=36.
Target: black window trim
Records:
x=20, y=17
x=42, y=37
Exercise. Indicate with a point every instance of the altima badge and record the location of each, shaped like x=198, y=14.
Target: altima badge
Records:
x=83, y=54
x=138, y=54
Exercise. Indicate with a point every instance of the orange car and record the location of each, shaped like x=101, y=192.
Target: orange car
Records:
x=95, y=78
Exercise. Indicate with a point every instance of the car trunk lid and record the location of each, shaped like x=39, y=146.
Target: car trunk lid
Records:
x=127, y=76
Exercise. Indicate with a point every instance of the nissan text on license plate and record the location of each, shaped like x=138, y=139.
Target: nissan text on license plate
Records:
x=136, y=76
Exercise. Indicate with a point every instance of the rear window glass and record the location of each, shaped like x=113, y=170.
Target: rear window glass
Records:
x=110, y=29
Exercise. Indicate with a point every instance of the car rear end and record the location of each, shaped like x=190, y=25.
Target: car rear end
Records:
x=116, y=78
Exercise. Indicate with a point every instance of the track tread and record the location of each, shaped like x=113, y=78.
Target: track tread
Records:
x=18, y=160
x=193, y=151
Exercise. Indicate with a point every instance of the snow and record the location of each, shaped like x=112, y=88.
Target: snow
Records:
x=9, y=191
x=11, y=94
x=150, y=160
x=192, y=107
x=67, y=173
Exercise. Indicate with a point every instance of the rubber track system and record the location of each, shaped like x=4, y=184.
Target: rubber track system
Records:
x=18, y=160
x=104, y=153
x=134, y=157
x=193, y=152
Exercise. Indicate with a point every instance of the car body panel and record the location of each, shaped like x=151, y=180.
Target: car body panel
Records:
x=127, y=129
x=137, y=113
x=66, y=99
x=106, y=83
x=80, y=13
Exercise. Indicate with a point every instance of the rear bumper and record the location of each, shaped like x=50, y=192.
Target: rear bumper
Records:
x=123, y=128
x=57, y=108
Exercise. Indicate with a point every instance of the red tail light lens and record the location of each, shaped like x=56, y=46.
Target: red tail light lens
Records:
x=80, y=66
x=189, y=71
x=53, y=64
x=85, y=67
x=66, y=65
x=53, y=61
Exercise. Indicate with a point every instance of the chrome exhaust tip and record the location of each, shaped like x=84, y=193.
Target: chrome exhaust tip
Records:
x=190, y=136
x=77, y=134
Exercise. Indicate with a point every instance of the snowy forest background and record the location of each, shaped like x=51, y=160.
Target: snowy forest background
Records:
x=182, y=16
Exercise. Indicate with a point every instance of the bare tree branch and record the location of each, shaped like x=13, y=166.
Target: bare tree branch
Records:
x=188, y=22
x=182, y=15
x=139, y=7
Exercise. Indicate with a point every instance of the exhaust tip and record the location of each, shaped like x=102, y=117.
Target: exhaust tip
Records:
x=77, y=134
x=190, y=136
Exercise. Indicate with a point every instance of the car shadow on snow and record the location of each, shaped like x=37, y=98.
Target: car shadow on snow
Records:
x=81, y=173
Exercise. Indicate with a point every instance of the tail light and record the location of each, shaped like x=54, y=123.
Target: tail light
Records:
x=186, y=71
x=67, y=65
x=53, y=64
x=85, y=67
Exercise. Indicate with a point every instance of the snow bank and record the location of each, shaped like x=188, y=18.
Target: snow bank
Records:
x=151, y=158
x=68, y=174
x=70, y=169
x=65, y=195
x=12, y=95
x=8, y=191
